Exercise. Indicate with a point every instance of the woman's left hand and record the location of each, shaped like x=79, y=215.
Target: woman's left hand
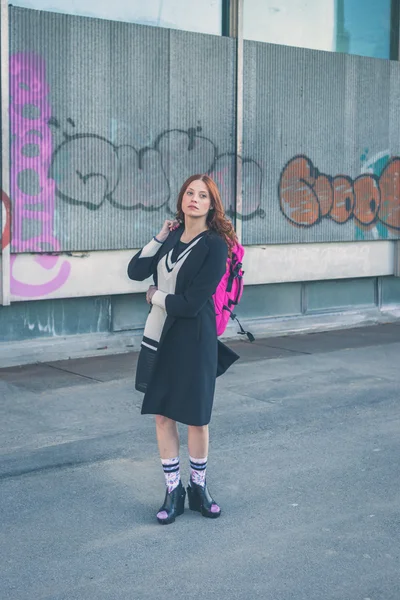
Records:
x=150, y=293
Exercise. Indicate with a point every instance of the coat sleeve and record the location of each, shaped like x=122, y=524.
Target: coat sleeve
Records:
x=203, y=286
x=143, y=264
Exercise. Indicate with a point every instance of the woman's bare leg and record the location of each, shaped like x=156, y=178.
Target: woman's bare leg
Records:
x=198, y=438
x=168, y=445
x=167, y=437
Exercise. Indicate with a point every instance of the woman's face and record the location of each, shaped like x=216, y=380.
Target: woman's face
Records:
x=196, y=201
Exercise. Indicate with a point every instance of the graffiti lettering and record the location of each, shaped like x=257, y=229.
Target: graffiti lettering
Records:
x=89, y=170
x=389, y=182
x=306, y=196
x=37, y=290
x=30, y=157
x=223, y=173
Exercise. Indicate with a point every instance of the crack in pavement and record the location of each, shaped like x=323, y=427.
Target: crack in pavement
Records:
x=73, y=373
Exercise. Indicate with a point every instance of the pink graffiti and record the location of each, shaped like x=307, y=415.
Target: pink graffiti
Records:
x=31, y=155
x=28, y=290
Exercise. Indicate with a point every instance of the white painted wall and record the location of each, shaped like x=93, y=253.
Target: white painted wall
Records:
x=313, y=262
x=104, y=273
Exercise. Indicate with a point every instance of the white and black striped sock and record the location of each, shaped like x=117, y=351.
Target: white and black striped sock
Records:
x=198, y=470
x=171, y=472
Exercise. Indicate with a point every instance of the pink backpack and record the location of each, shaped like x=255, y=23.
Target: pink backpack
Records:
x=229, y=292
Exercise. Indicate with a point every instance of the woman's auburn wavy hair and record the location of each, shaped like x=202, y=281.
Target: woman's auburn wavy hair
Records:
x=216, y=219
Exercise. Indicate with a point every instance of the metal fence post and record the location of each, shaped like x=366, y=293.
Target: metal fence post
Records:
x=239, y=121
x=397, y=259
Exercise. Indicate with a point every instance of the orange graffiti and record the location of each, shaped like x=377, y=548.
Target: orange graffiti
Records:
x=367, y=199
x=343, y=199
x=306, y=196
x=324, y=190
x=297, y=196
x=389, y=182
x=5, y=238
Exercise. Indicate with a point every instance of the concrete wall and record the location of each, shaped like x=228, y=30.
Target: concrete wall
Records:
x=104, y=273
x=52, y=319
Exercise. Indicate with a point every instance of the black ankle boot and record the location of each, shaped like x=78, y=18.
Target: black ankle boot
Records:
x=174, y=504
x=201, y=500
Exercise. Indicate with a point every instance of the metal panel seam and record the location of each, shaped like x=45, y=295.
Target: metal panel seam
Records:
x=5, y=158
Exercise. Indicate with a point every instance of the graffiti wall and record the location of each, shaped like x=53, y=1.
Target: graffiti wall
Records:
x=325, y=130
x=108, y=119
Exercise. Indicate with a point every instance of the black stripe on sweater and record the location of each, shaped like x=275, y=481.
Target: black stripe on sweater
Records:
x=150, y=341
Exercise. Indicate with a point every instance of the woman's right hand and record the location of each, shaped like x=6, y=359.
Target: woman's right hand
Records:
x=166, y=229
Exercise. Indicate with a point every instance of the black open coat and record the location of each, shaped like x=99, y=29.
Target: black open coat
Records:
x=189, y=356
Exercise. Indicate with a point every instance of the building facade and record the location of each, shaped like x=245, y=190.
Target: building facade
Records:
x=293, y=106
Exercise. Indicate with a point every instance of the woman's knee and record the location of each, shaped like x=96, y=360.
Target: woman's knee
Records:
x=200, y=429
x=164, y=422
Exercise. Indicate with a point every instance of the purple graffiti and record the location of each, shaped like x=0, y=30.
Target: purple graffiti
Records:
x=30, y=290
x=31, y=154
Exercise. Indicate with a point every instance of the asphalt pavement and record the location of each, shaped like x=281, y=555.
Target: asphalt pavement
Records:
x=304, y=460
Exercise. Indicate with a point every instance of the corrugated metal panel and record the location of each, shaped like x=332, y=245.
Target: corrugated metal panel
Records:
x=127, y=113
x=201, y=104
x=313, y=123
x=120, y=114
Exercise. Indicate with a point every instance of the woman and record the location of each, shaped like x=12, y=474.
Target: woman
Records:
x=180, y=355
